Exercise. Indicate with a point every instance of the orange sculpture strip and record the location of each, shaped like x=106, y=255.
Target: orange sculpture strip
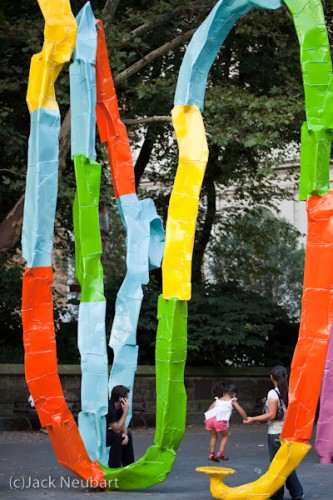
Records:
x=317, y=318
x=42, y=375
x=111, y=129
x=308, y=361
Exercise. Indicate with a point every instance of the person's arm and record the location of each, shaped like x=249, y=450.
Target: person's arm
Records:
x=240, y=410
x=119, y=425
x=124, y=436
x=269, y=415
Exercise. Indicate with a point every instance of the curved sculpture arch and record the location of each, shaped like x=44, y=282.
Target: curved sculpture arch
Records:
x=310, y=353
x=37, y=309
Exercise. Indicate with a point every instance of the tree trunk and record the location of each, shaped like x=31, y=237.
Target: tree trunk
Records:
x=204, y=234
x=143, y=157
x=10, y=228
x=110, y=8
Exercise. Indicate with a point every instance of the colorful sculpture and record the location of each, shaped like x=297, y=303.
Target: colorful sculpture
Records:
x=87, y=456
x=37, y=241
x=310, y=353
x=88, y=246
x=171, y=337
x=144, y=233
x=324, y=435
x=144, y=229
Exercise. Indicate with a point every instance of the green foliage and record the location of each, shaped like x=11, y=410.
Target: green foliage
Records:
x=17, y=39
x=10, y=311
x=231, y=326
x=262, y=253
x=226, y=326
x=11, y=354
x=67, y=346
x=147, y=327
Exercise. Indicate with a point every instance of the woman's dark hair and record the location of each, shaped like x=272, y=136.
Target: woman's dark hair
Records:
x=279, y=374
x=221, y=388
x=119, y=391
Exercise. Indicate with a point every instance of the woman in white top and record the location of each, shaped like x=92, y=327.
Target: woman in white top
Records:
x=218, y=415
x=277, y=399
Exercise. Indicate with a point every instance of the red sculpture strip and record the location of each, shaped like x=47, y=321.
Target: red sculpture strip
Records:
x=111, y=129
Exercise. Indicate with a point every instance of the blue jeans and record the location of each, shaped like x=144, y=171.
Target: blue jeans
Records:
x=292, y=482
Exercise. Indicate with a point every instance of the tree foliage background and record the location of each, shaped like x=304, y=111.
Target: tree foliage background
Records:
x=254, y=106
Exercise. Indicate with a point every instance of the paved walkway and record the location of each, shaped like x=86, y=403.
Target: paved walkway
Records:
x=29, y=455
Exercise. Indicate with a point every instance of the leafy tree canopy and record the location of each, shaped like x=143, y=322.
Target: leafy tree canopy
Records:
x=227, y=325
x=262, y=253
x=232, y=326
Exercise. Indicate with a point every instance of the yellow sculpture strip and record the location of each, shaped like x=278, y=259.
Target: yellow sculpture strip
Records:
x=288, y=457
x=59, y=42
x=184, y=201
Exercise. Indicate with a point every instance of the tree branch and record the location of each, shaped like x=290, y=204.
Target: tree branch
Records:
x=64, y=141
x=110, y=8
x=146, y=119
x=139, y=65
x=146, y=27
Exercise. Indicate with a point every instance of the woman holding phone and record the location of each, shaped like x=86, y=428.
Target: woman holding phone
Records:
x=117, y=435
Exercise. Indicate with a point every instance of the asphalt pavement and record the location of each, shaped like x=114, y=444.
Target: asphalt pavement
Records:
x=29, y=468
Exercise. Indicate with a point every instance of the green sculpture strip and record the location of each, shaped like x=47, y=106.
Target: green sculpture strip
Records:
x=317, y=134
x=171, y=348
x=92, y=309
x=88, y=247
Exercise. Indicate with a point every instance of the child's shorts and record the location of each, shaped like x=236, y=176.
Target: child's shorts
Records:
x=216, y=425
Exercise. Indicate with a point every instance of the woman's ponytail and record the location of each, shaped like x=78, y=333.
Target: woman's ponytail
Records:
x=279, y=374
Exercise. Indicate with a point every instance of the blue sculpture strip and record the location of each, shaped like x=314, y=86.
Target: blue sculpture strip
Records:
x=94, y=392
x=83, y=85
x=91, y=329
x=41, y=188
x=205, y=44
x=145, y=243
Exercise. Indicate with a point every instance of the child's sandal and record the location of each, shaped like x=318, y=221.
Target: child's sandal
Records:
x=221, y=456
x=213, y=457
